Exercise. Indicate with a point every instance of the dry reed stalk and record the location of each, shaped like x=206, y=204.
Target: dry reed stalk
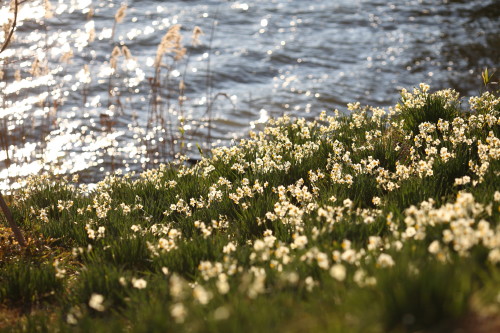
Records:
x=209, y=79
x=113, y=62
x=12, y=223
x=85, y=87
x=195, y=41
x=5, y=141
x=159, y=117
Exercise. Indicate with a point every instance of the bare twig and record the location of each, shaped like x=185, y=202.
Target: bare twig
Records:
x=8, y=215
x=9, y=37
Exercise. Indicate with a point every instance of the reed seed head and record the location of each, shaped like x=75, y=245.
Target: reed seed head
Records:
x=195, y=39
x=66, y=57
x=116, y=52
x=171, y=42
x=47, y=6
x=179, y=53
x=120, y=14
x=35, y=68
x=90, y=14
x=126, y=52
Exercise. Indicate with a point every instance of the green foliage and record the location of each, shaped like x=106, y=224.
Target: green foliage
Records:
x=373, y=222
x=26, y=283
x=431, y=109
x=423, y=295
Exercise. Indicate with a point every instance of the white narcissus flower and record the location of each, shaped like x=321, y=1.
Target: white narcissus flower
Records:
x=494, y=256
x=434, y=247
x=122, y=281
x=338, y=272
x=201, y=295
x=96, y=301
x=179, y=312
x=230, y=247
x=299, y=242
x=222, y=284
x=139, y=283
x=385, y=260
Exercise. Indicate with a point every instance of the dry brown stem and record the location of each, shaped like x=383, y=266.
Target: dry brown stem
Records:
x=14, y=22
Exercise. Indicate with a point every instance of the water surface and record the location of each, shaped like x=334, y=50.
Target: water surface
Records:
x=256, y=59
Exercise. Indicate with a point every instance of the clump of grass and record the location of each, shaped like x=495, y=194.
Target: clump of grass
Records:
x=102, y=279
x=25, y=283
x=425, y=295
x=420, y=107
